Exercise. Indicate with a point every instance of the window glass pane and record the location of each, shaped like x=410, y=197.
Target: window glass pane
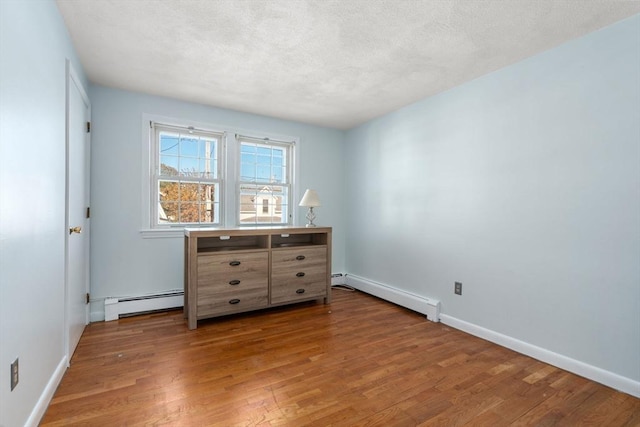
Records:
x=188, y=190
x=208, y=168
x=189, y=167
x=282, y=204
x=208, y=212
x=263, y=204
x=182, y=202
x=248, y=148
x=189, y=146
x=264, y=164
x=277, y=174
x=251, y=189
x=247, y=209
x=263, y=173
x=248, y=203
x=208, y=193
x=208, y=156
x=169, y=191
x=248, y=172
x=268, y=165
x=189, y=212
x=263, y=159
x=169, y=144
x=208, y=198
x=198, y=157
x=168, y=212
x=169, y=165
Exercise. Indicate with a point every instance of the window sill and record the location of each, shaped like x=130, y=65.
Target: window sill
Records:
x=162, y=233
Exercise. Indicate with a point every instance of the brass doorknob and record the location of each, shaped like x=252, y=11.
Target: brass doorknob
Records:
x=75, y=230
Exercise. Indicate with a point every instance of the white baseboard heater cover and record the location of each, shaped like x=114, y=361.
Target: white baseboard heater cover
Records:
x=114, y=308
x=427, y=306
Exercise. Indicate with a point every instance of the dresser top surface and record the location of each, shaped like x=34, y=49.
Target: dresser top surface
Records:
x=253, y=231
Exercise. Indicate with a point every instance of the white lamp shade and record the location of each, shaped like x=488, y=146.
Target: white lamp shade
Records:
x=310, y=199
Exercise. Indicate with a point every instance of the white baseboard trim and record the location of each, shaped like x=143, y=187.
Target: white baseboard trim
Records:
x=47, y=394
x=116, y=307
x=427, y=306
x=577, y=367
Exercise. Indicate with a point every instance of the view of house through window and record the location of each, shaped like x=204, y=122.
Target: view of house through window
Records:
x=265, y=181
x=188, y=176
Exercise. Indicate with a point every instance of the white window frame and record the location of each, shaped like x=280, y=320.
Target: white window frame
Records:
x=289, y=183
x=230, y=161
x=156, y=176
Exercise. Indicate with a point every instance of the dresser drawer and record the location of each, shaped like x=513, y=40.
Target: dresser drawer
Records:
x=223, y=272
x=298, y=274
x=292, y=259
x=215, y=304
x=291, y=291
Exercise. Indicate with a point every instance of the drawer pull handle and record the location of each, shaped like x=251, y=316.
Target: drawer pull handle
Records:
x=300, y=291
x=300, y=257
x=234, y=301
x=234, y=282
x=301, y=274
x=234, y=263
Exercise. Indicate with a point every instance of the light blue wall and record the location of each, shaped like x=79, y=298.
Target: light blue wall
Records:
x=124, y=263
x=34, y=45
x=524, y=185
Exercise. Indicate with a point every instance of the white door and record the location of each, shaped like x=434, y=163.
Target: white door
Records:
x=77, y=232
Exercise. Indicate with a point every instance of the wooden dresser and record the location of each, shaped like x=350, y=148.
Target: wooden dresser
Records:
x=234, y=270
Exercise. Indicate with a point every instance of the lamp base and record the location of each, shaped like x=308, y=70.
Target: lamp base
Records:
x=310, y=217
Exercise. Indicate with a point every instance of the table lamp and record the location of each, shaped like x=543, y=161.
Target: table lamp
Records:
x=310, y=200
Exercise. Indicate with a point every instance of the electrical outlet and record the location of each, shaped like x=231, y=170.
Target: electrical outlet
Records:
x=457, y=288
x=14, y=374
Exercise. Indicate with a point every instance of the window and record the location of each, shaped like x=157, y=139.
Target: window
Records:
x=187, y=180
x=203, y=175
x=265, y=175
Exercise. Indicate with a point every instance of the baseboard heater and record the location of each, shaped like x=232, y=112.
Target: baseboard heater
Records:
x=115, y=308
x=427, y=306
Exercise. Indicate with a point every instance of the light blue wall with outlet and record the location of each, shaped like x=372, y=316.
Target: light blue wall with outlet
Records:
x=524, y=185
x=34, y=45
x=123, y=261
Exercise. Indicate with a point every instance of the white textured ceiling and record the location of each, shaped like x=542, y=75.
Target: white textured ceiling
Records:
x=335, y=63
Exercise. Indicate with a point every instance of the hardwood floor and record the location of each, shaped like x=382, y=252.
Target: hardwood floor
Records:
x=359, y=361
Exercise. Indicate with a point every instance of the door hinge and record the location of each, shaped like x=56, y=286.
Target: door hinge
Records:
x=88, y=212
x=88, y=300
x=88, y=127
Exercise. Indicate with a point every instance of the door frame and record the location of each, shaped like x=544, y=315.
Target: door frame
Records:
x=72, y=78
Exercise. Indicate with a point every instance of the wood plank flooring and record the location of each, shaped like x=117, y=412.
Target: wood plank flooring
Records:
x=359, y=361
